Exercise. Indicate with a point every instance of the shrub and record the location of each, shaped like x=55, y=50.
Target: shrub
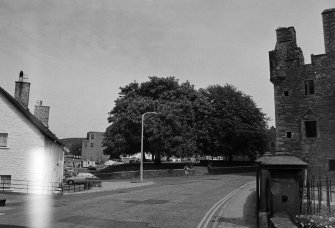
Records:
x=315, y=221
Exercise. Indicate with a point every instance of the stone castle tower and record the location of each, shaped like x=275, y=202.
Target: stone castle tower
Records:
x=305, y=98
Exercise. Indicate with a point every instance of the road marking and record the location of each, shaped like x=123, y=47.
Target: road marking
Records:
x=208, y=216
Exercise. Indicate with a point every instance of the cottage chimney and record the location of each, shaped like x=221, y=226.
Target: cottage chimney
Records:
x=42, y=113
x=22, y=88
x=328, y=19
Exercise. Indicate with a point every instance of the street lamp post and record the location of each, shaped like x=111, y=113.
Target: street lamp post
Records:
x=141, y=168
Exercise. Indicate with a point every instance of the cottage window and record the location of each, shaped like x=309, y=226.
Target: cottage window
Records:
x=286, y=93
x=310, y=127
x=331, y=164
x=91, y=144
x=92, y=136
x=3, y=139
x=288, y=135
x=309, y=87
x=5, y=181
x=85, y=144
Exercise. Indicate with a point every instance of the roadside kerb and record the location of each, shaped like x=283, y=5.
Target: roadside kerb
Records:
x=208, y=216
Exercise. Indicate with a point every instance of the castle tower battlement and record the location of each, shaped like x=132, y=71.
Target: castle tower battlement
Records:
x=286, y=54
x=286, y=35
x=328, y=19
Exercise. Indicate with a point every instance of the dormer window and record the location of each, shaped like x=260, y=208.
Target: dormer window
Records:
x=309, y=87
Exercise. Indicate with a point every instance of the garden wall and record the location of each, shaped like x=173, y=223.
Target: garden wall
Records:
x=228, y=170
x=146, y=174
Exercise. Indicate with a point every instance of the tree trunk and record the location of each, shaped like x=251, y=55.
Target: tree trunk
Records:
x=158, y=158
x=231, y=157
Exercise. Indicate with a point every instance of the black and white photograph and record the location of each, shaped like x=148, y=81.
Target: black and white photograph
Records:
x=167, y=114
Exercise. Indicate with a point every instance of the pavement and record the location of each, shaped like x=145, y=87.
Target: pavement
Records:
x=13, y=198
x=239, y=211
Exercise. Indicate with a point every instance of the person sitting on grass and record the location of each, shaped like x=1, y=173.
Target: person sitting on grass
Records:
x=187, y=169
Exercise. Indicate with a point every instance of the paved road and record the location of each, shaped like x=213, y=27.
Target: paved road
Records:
x=171, y=202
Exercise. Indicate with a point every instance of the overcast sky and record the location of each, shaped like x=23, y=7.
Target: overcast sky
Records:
x=78, y=53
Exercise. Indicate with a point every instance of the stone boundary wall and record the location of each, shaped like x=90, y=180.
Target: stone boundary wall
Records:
x=175, y=172
x=281, y=223
x=229, y=170
x=146, y=174
x=224, y=163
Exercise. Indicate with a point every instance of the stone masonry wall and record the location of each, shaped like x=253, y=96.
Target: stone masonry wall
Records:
x=42, y=113
x=22, y=92
x=293, y=107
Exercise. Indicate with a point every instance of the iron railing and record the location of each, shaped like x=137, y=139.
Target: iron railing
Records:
x=318, y=196
x=24, y=186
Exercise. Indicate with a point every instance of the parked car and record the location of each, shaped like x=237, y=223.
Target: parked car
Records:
x=111, y=162
x=79, y=178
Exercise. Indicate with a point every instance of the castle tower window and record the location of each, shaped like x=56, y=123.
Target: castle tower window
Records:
x=310, y=127
x=286, y=93
x=331, y=165
x=92, y=136
x=289, y=135
x=5, y=181
x=309, y=87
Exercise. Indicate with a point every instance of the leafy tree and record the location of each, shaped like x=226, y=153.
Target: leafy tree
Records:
x=171, y=132
x=235, y=124
x=73, y=144
x=218, y=120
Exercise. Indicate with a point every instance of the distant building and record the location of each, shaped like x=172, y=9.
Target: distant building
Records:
x=305, y=98
x=29, y=151
x=92, y=148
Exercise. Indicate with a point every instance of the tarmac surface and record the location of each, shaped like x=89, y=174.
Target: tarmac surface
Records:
x=154, y=208
x=239, y=210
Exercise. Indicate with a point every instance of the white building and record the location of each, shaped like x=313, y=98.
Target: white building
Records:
x=31, y=156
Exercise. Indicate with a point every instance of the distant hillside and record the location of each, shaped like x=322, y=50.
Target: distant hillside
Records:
x=74, y=145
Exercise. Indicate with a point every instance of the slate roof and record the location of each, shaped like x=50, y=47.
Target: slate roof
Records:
x=36, y=122
x=280, y=159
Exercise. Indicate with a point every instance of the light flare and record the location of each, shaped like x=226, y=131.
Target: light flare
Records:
x=40, y=199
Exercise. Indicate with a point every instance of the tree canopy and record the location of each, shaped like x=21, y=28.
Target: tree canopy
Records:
x=235, y=125
x=218, y=120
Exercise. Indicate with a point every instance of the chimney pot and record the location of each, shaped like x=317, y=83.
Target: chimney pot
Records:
x=39, y=103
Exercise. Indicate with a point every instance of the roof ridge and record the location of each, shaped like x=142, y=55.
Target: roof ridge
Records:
x=33, y=119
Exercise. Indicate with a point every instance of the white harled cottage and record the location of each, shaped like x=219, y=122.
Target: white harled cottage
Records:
x=31, y=156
